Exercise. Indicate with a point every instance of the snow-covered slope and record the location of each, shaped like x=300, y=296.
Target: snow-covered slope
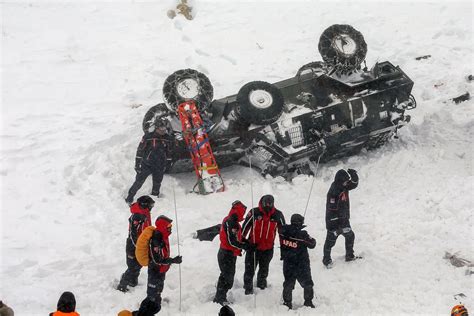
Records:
x=77, y=79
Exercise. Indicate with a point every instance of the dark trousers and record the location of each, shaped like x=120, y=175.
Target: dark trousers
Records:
x=331, y=238
x=151, y=305
x=157, y=174
x=297, y=271
x=226, y=260
x=130, y=276
x=156, y=282
x=262, y=260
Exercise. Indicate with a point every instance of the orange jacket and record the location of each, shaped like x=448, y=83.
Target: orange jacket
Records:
x=58, y=313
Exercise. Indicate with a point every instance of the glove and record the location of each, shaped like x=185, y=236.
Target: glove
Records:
x=138, y=169
x=177, y=260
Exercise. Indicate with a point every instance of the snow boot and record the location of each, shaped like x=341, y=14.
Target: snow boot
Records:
x=122, y=288
x=129, y=200
x=133, y=283
x=288, y=304
x=262, y=284
x=221, y=300
x=327, y=262
x=309, y=304
x=248, y=291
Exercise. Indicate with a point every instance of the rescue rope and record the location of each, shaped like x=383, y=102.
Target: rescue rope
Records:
x=177, y=236
x=312, y=184
x=253, y=234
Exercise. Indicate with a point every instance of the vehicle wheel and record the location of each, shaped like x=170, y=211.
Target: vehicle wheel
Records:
x=152, y=114
x=259, y=103
x=187, y=84
x=316, y=67
x=342, y=47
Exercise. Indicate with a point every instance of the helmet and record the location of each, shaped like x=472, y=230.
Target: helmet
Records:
x=146, y=202
x=297, y=220
x=459, y=310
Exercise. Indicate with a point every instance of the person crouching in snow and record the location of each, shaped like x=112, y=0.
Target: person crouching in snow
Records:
x=231, y=246
x=138, y=221
x=267, y=220
x=153, y=250
x=294, y=243
x=66, y=305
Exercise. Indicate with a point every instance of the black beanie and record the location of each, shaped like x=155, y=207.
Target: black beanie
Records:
x=67, y=303
x=226, y=311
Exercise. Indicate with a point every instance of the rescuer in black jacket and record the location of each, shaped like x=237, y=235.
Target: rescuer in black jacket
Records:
x=294, y=243
x=338, y=213
x=153, y=156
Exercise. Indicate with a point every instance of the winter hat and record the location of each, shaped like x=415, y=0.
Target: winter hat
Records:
x=146, y=202
x=125, y=313
x=67, y=303
x=226, y=311
x=297, y=220
x=459, y=310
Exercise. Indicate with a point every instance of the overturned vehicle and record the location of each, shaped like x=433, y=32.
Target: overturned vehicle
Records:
x=329, y=109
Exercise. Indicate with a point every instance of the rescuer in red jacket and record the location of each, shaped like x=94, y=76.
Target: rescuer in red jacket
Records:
x=138, y=221
x=231, y=246
x=260, y=225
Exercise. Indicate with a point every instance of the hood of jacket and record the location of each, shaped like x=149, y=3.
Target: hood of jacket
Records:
x=239, y=210
x=260, y=205
x=162, y=223
x=341, y=177
x=136, y=209
x=67, y=303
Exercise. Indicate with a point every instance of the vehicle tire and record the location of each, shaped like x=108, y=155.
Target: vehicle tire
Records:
x=259, y=103
x=187, y=84
x=342, y=47
x=317, y=67
x=152, y=114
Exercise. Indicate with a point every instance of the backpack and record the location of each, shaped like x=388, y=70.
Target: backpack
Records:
x=141, y=250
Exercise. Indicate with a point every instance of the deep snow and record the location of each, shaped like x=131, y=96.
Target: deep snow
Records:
x=77, y=79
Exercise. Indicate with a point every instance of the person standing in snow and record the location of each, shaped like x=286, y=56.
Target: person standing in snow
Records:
x=260, y=226
x=66, y=305
x=153, y=249
x=294, y=243
x=338, y=214
x=230, y=235
x=137, y=222
x=152, y=158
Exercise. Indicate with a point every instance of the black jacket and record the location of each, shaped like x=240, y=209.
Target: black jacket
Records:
x=294, y=242
x=337, y=203
x=154, y=150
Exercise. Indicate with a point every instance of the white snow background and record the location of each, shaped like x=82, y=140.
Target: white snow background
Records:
x=73, y=75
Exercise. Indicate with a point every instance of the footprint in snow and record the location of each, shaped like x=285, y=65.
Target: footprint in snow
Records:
x=185, y=38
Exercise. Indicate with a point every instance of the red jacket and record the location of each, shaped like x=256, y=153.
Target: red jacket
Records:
x=261, y=226
x=160, y=245
x=230, y=233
